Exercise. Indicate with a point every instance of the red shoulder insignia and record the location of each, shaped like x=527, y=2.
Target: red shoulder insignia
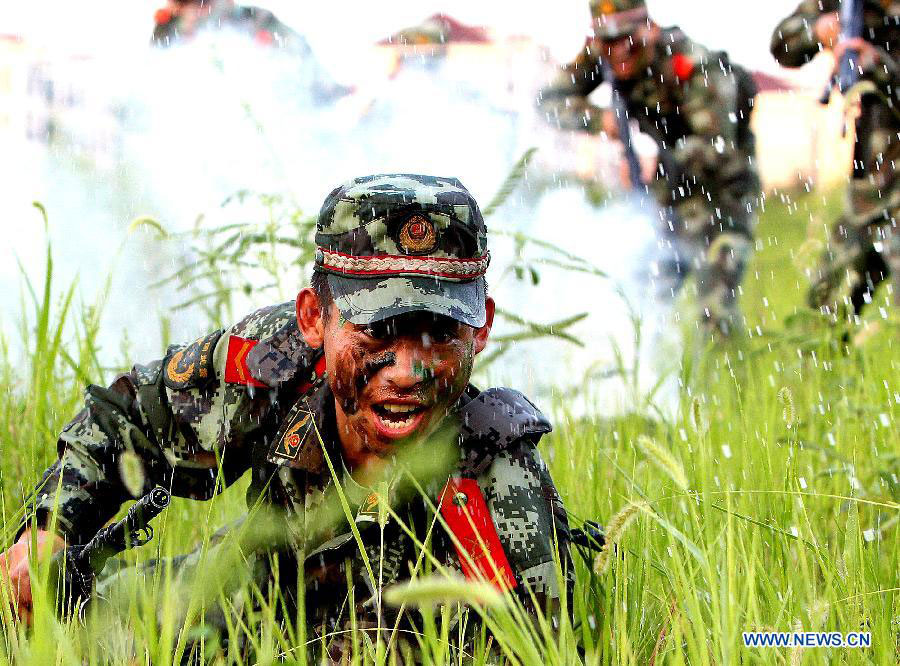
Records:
x=236, y=370
x=683, y=66
x=475, y=537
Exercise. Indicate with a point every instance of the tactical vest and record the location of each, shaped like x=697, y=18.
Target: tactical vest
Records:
x=491, y=421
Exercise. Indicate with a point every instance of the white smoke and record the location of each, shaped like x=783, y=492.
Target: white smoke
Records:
x=184, y=128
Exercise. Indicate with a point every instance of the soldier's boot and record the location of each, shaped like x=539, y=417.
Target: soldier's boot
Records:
x=857, y=261
x=838, y=275
x=718, y=279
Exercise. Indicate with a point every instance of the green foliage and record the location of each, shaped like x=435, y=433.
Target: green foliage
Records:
x=728, y=516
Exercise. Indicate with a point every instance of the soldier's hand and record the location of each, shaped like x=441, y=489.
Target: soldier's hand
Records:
x=827, y=29
x=14, y=574
x=867, y=55
x=610, y=124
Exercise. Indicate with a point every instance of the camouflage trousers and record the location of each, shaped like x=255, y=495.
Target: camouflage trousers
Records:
x=859, y=257
x=716, y=254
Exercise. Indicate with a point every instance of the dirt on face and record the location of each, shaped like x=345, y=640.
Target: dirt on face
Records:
x=396, y=379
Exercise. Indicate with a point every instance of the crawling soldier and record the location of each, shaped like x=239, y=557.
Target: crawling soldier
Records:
x=313, y=394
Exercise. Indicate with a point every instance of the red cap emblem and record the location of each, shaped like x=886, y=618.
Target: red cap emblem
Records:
x=417, y=235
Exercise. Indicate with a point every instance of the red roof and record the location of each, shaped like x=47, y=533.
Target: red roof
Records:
x=449, y=29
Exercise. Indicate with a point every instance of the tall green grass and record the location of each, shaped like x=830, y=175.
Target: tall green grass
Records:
x=770, y=501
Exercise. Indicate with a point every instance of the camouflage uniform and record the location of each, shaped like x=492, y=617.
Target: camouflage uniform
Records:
x=865, y=244
x=261, y=24
x=696, y=105
x=182, y=20
x=246, y=398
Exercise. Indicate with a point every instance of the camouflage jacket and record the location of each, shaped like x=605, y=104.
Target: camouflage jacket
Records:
x=260, y=24
x=244, y=398
x=874, y=187
x=693, y=102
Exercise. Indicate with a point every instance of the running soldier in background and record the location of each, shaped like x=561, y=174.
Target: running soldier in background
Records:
x=865, y=245
x=696, y=105
x=183, y=19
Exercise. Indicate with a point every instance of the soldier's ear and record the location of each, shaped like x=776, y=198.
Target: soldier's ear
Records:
x=309, y=318
x=482, y=334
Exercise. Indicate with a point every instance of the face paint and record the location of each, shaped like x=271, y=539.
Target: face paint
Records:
x=421, y=371
x=347, y=369
x=371, y=367
x=382, y=401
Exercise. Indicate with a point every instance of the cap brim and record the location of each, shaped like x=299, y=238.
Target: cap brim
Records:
x=366, y=300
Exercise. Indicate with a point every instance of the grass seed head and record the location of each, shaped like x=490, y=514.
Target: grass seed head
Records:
x=697, y=420
x=614, y=531
x=789, y=414
x=132, y=472
x=433, y=590
x=664, y=459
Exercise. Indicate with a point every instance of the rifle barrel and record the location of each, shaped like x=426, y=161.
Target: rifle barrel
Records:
x=621, y=111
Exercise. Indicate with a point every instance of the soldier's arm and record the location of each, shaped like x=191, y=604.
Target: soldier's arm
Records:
x=875, y=66
x=166, y=423
x=800, y=36
x=564, y=100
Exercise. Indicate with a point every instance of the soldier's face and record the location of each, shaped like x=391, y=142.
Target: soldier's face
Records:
x=396, y=379
x=628, y=55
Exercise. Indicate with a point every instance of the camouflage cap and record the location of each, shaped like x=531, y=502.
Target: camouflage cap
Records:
x=614, y=19
x=397, y=243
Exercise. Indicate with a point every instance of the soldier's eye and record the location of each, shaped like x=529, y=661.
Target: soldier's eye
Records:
x=443, y=332
x=381, y=330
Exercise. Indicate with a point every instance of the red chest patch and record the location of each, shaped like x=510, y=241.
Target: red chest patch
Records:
x=477, y=544
x=682, y=66
x=236, y=370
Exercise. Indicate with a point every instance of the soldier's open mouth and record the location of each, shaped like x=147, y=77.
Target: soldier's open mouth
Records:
x=397, y=419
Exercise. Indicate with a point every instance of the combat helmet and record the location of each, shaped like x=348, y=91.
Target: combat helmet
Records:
x=614, y=19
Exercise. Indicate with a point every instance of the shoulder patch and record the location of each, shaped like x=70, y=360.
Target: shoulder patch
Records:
x=191, y=366
x=236, y=368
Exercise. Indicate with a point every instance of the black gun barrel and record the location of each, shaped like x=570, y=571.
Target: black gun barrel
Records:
x=79, y=565
x=127, y=532
x=851, y=16
x=621, y=111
